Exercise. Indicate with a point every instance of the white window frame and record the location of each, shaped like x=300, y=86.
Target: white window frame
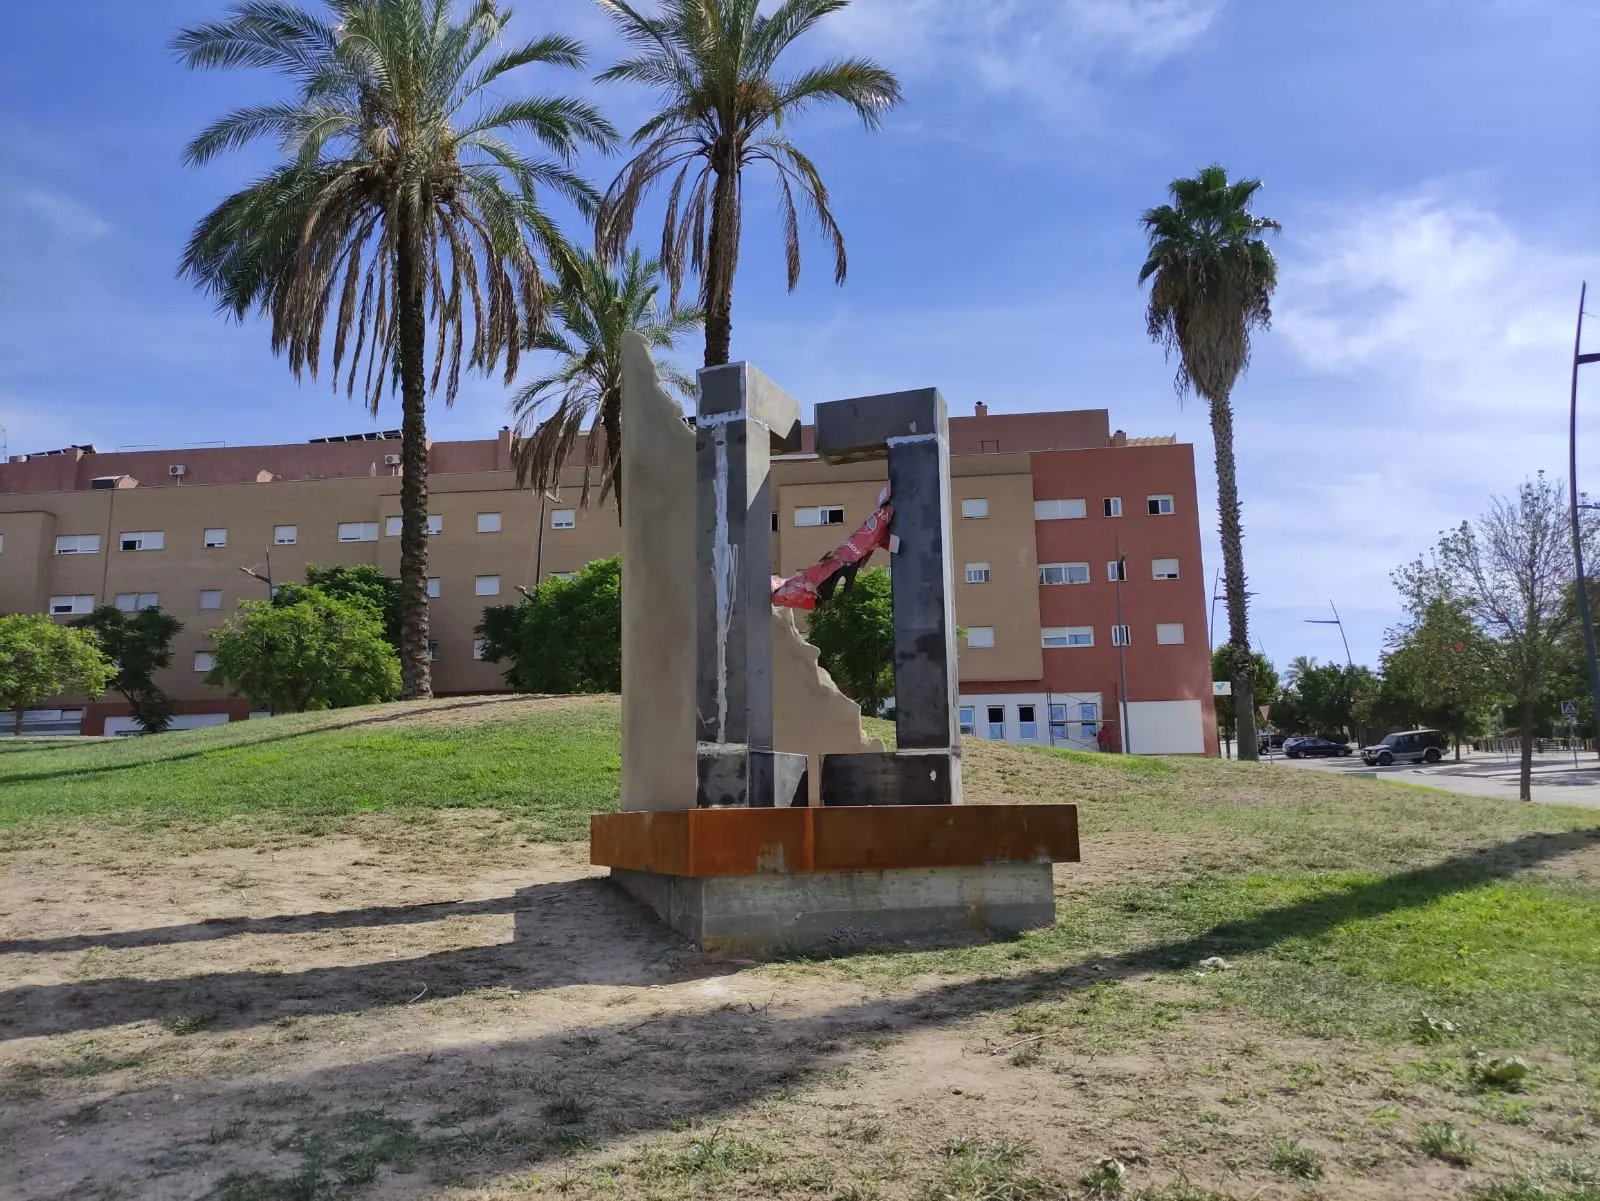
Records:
x=435, y=525
x=977, y=573
x=280, y=538
x=488, y=523
x=1160, y=505
x=1066, y=637
x=486, y=585
x=433, y=587
x=1164, y=632
x=142, y=540
x=75, y=604
x=1111, y=506
x=205, y=592
x=815, y=515
x=968, y=717
x=1028, y=727
x=1065, y=571
x=975, y=508
x=563, y=519
x=1121, y=636
x=137, y=601
x=73, y=544
x=391, y=527
x=433, y=650
x=478, y=645
x=204, y=660
x=1063, y=509
x=1116, y=571
x=215, y=538
x=991, y=724
x=1157, y=572
x=358, y=531
x=980, y=637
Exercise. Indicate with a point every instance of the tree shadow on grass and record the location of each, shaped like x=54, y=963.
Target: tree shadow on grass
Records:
x=468, y=1111
x=556, y=944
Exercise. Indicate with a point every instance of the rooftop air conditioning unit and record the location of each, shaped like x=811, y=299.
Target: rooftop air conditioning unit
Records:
x=391, y=460
x=177, y=469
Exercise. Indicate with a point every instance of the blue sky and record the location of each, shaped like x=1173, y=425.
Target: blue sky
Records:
x=1434, y=164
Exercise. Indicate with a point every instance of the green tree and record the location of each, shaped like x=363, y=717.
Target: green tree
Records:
x=1266, y=681
x=139, y=644
x=724, y=107
x=853, y=631
x=1439, y=671
x=1332, y=698
x=318, y=653
x=566, y=636
x=39, y=659
x=1211, y=280
x=362, y=584
x=399, y=202
x=594, y=308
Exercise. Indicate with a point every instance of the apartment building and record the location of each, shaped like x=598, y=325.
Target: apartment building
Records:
x=1045, y=508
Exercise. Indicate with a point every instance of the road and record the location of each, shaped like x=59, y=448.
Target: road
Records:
x=1555, y=780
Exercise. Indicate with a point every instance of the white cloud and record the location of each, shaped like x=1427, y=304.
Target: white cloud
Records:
x=70, y=218
x=1044, y=49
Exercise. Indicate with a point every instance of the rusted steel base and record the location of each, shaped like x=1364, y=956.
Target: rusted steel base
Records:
x=749, y=842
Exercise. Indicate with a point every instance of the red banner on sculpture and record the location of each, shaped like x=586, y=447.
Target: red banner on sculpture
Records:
x=817, y=582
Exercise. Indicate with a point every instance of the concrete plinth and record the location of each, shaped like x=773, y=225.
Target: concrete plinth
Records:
x=763, y=912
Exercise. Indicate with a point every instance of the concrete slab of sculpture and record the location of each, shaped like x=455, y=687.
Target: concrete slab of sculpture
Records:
x=755, y=812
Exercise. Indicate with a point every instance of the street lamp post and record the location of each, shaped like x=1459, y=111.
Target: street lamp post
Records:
x=1578, y=360
x=1122, y=650
x=1334, y=621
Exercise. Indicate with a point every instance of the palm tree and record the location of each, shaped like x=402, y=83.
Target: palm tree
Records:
x=724, y=106
x=1212, y=277
x=399, y=203
x=595, y=307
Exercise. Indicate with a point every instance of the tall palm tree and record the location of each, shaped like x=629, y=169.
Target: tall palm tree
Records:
x=398, y=203
x=1212, y=277
x=723, y=108
x=594, y=308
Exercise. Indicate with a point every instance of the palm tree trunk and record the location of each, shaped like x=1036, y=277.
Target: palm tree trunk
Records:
x=721, y=258
x=1244, y=702
x=411, y=332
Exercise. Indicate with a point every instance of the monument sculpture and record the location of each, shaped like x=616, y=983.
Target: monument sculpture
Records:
x=728, y=722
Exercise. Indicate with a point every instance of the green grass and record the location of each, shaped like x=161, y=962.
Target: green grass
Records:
x=556, y=766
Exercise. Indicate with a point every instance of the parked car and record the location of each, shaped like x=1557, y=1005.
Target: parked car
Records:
x=1273, y=741
x=1406, y=746
x=1309, y=748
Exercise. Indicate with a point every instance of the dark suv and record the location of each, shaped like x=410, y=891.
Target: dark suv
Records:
x=1409, y=746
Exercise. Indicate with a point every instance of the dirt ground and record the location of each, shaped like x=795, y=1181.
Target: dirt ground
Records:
x=439, y=1008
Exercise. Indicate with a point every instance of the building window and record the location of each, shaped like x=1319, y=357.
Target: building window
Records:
x=391, y=527
x=1027, y=724
x=819, y=515
x=968, y=716
x=563, y=519
x=980, y=636
x=997, y=721
x=1117, y=571
x=132, y=602
x=560, y=575
x=1058, y=723
x=81, y=603
x=215, y=539
x=477, y=648
x=77, y=544
x=211, y=598
x=488, y=523
x=975, y=506
x=1112, y=506
x=977, y=573
x=1059, y=510
x=2, y=544
x=285, y=535
x=1169, y=633
x=487, y=585
x=989, y=446
x=1119, y=636
x=1059, y=636
x=142, y=540
x=358, y=531
x=433, y=585
x=774, y=521
x=1164, y=569
x=204, y=660
x=435, y=524
x=1063, y=573
x=433, y=651
x=1089, y=715
x=1160, y=506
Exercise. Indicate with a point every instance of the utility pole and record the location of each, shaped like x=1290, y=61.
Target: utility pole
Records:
x=1578, y=360
x=1122, y=649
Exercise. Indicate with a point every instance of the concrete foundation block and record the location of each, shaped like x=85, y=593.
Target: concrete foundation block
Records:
x=765, y=912
x=892, y=778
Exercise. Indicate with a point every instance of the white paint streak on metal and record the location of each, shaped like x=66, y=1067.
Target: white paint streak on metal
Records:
x=724, y=569
x=905, y=439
